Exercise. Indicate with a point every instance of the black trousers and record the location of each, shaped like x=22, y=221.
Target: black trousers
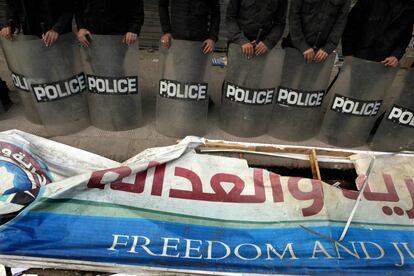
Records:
x=4, y=93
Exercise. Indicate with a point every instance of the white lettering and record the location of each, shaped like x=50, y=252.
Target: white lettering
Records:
x=210, y=250
x=188, y=249
x=116, y=242
x=167, y=246
x=270, y=248
x=255, y=247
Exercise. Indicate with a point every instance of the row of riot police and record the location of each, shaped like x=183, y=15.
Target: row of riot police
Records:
x=51, y=72
x=266, y=89
x=285, y=92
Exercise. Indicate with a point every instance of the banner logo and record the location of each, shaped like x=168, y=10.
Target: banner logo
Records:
x=401, y=116
x=345, y=105
x=58, y=90
x=20, y=82
x=183, y=91
x=297, y=98
x=249, y=96
x=20, y=170
x=22, y=175
x=112, y=86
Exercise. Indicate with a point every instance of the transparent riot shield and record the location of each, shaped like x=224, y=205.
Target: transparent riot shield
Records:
x=396, y=130
x=56, y=82
x=249, y=91
x=298, y=113
x=111, y=69
x=356, y=104
x=16, y=64
x=182, y=98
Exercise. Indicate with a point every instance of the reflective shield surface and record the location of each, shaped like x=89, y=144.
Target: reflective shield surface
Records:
x=298, y=113
x=55, y=79
x=396, y=130
x=182, y=96
x=249, y=91
x=111, y=69
x=15, y=63
x=357, y=102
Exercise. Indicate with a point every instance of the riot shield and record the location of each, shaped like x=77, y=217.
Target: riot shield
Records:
x=357, y=99
x=182, y=98
x=396, y=130
x=298, y=113
x=248, y=92
x=111, y=69
x=12, y=50
x=54, y=75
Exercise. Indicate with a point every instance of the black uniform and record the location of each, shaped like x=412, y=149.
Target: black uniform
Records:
x=4, y=90
x=3, y=17
x=110, y=17
x=245, y=18
x=195, y=20
x=317, y=24
x=378, y=29
x=34, y=17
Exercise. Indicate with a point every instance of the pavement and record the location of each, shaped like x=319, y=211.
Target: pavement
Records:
x=120, y=146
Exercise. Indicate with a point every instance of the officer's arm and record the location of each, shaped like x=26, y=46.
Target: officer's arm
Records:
x=355, y=18
x=279, y=23
x=80, y=6
x=403, y=43
x=337, y=30
x=10, y=15
x=295, y=25
x=235, y=33
x=163, y=6
x=136, y=19
x=65, y=18
x=215, y=19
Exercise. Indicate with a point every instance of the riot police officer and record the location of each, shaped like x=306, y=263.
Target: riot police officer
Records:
x=194, y=20
x=109, y=17
x=379, y=30
x=316, y=27
x=44, y=18
x=256, y=26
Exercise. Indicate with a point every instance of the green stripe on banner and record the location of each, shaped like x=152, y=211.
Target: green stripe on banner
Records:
x=100, y=209
x=4, y=198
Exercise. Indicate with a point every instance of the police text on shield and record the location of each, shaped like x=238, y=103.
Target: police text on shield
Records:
x=297, y=98
x=183, y=91
x=250, y=96
x=58, y=90
x=402, y=116
x=112, y=86
x=349, y=106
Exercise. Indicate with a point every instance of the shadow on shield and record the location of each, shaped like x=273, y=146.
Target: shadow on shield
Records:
x=298, y=113
x=396, y=130
x=13, y=53
x=357, y=99
x=182, y=97
x=248, y=92
x=111, y=69
x=56, y=81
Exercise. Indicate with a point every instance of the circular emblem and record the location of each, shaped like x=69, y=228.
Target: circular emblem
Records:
x=21, y=176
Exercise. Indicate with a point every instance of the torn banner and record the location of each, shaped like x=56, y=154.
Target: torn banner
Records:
x=171, y=208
